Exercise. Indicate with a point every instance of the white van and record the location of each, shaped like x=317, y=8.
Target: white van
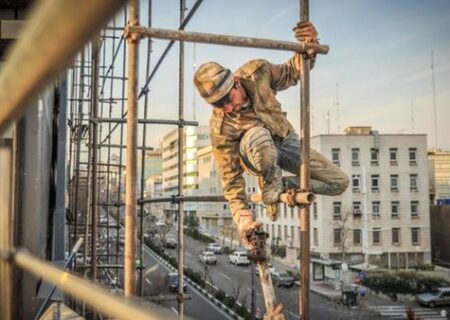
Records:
x=239, y=258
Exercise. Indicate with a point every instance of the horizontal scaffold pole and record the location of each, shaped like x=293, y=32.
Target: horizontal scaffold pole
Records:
x=94, y=295
x=228, y=40
x=149, y=121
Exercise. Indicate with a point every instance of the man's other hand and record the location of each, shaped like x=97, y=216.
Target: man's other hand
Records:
x=305, y=31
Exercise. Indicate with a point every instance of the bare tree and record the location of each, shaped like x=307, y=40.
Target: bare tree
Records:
x=345, y=232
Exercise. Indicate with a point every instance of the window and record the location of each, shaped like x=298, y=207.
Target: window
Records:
x=337, y=236
x=315, y=210
x=286, y=235
x=292, y=233
x=375, y=182
x=357, y=237
x=415, y=236
x=393, y=156
x=414, y=209
x=273, y=231
x=375, y=209
x=413, y=182
x=394, y=182
x=357, y=209
x=355, y=182
x=336, y=156
x=355, y=156
x=395, y=209
x=376, y=236
x=279, y=231
x=316, y=237
x=395, y=236
x=413, y=156
x=337, y=210
x=374, y=156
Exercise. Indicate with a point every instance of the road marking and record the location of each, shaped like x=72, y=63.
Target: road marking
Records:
x=225, y=276
x=293, y=314
x=148, y=281
x=174, y=310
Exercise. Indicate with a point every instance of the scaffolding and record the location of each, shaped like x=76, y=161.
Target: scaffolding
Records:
x=95, y=112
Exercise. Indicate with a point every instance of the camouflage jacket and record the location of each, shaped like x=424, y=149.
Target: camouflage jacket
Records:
x=261, y=81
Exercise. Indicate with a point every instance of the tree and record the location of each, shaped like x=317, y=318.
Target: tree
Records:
x=345, y=232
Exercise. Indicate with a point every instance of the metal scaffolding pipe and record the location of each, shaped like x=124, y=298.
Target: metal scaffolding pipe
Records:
x=304, y=175
x=181, y=172
x=94, y=295
x=149, y=121
x=117, y=146
x=169, y=46
x=228, y=40
x=34, y=60
x=94, y=156
x=176, y=199
x=144, y=142
x=130, y=191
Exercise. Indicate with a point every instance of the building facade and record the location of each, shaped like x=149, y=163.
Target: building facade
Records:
x=383, y=218
x=215, y=217
x=195, y=138
x=439, y=171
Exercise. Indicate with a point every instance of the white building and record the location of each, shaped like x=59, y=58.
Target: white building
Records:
x=194, y=139
x=383, y=215
x=215, y=217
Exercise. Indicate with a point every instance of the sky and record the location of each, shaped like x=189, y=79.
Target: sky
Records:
x=378, y=68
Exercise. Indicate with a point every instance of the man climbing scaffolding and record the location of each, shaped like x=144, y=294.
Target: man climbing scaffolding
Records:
x=249, y=131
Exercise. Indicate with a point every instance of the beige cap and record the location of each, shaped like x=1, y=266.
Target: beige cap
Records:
x=213, y=81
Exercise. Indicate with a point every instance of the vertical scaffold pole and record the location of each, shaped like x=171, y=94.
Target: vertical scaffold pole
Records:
x=130, y=192
x=181, y=172
x=94, y=159
x=304, y=175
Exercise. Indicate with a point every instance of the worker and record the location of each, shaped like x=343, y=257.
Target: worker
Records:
x=249, y=131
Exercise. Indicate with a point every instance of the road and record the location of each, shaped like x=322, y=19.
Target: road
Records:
x=236, y=281
x=156, y=282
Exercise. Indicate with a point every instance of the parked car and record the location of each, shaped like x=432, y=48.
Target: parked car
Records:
x=208, y=257
x=436, y=298
x=174, y=282
x=214, y=247
x=239, y=258
x=171, y=243
x=282, y=278
x=270, y=268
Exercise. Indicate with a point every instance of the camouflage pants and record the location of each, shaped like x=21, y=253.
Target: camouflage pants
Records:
x=263, y=156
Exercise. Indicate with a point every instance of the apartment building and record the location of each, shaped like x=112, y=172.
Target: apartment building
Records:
x=439, y=172
x=383, y=216
x=215, y=217
x=194, y=139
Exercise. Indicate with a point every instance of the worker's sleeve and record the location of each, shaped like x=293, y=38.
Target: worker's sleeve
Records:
x=283, y=76
x=226, y=153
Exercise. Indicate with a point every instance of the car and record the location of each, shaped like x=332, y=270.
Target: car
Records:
x=282, y=279
x=239, y=258
x=174, y=282
x=171, y=243
x=208, y=257
x=436, y=298
x=214, y=247
x=270, y=268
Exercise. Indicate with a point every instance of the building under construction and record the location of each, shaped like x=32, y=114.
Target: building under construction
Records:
x=72, y=139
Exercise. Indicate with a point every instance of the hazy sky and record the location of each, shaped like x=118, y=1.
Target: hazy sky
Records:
x=380, y=56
